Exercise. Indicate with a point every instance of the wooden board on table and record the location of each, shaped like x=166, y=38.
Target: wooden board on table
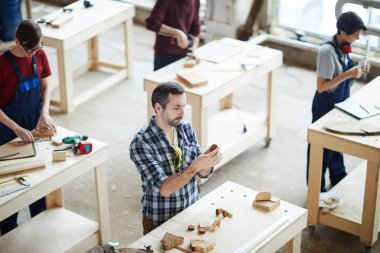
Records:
x=218, y=51
x=16, y=150
x=191, y=78
x=22, y=164
x=352, y=128
x=60, y=21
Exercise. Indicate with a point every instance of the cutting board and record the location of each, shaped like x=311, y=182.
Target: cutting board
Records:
x=191, y=78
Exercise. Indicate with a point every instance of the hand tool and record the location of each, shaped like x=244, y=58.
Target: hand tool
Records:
x=23, y=184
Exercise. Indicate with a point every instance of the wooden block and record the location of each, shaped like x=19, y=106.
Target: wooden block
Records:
x=170, y=241
x=189, y=63
x=201, y=246
x=191, y=78
x=262, y=196
x=43, y=133
x=56, y=140
x=59, y=156
x=23, y=164
x=62, y=20
x=266, y=205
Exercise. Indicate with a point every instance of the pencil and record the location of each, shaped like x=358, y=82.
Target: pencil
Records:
x=364, y=109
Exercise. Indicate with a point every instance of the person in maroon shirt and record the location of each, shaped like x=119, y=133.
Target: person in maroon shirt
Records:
x=24, y=96
x=173, y=21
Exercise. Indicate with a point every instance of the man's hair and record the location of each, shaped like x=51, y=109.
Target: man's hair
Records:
x=28, y=33
x=350, y=22
x=161, y=92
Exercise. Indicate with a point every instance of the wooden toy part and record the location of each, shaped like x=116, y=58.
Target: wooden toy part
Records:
x=191, y=227
x=201, y=246
x=201, y=230
x=170, y=241
x=222, y=213
x=213, y=147
x=263, y=196
x=43, y=133
x=215, y=225
x=266, y=205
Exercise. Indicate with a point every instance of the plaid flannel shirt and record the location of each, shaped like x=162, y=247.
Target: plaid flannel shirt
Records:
x=153, y=156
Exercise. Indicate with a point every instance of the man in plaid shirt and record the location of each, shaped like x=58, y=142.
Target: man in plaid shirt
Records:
x=168, y=157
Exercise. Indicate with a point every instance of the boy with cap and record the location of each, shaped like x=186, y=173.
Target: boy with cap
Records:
x=335, y=75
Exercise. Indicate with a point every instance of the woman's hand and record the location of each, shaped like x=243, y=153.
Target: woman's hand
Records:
x=25, y=135
x=46, y=122
x=355, y=72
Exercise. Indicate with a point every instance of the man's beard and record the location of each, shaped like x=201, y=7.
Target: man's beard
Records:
x=174, y=122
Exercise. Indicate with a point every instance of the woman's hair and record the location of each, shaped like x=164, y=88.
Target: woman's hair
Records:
x=28, y=33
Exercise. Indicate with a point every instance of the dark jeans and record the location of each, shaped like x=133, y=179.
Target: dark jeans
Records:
x=332, y=160
x=147, y=225
x=11, y=222
x=161, y=61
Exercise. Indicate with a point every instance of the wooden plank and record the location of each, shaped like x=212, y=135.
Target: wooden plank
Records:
x=69, y=229
x=128, y=33
x=294, y=245
x=93, y=52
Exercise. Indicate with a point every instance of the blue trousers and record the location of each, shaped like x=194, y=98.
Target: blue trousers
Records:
x=161, y=61
x=11, y=222
x=332, y=160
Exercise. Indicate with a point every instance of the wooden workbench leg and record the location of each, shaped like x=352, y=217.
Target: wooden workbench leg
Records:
x=199, y=121
x=294, y=245
x=93, y=53
x=128, y=25
x=55, y=199
x=28, y=5
x=270, y=102
x=150, y=109
x=370, y=218
x=66, y=89
x=315, y=178
x=103, y=209
x=226, y=102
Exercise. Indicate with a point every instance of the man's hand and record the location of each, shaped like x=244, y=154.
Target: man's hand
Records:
x=25, y=135
x=355, y=72
x=181, y=38
x=207, y=159
x=46, y=122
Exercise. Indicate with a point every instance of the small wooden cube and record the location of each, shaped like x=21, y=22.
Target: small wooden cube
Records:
x=56, y=140
x=59, y=156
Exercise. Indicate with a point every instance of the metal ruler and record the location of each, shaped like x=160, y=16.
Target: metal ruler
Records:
x=23, y=184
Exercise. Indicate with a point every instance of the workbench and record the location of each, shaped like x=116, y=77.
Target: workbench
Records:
x=249, y=230
x=225, y=128
x=58, y=229
x=85, y=26
x=359, y=190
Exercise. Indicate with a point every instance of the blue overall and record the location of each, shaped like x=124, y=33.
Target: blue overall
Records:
x=25, y=110
x=322, y=104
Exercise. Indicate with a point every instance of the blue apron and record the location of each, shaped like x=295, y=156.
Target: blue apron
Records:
x=25, y=107
x=323, y=103
x=25, y=110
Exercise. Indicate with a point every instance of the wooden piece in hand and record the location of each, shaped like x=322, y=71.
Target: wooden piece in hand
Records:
x=201, y=246
x=43, y=133
x=191, y=78
x=170, y=241
x=352, y=128
x=266, y=205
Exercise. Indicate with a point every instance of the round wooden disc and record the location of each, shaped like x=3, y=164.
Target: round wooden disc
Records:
x=352, y=128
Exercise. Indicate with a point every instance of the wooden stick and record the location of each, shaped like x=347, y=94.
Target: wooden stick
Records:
x=183, y=250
